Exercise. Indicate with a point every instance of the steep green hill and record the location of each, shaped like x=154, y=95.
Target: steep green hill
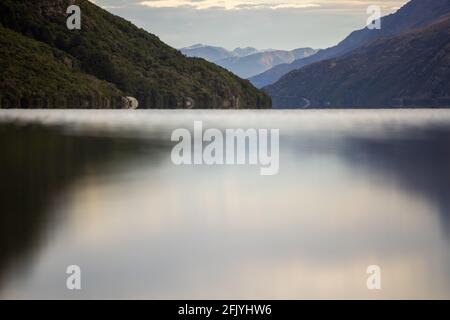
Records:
x=412, y=69
x=135, y=61
x=32, y=74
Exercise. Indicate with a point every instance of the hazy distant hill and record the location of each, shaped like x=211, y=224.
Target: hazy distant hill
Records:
x=130, y=60
x=416, y=13
x=242, y=52
x=246, y=62
x=212, y=53
x=411, y=69
x=209, y=53
x=253, y=64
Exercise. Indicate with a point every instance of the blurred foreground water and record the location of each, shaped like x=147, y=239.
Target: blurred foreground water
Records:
x=98, y=189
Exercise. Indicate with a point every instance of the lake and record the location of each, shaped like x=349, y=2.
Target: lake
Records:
x=98, y=189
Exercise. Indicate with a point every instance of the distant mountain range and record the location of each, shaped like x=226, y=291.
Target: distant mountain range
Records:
x=211, y=53
x=415, y=14
x=246, y=62
x=43, y=64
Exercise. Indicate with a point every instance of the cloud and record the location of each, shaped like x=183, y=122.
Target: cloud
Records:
x=265, y=4
x=279, y=24
x=229, y=4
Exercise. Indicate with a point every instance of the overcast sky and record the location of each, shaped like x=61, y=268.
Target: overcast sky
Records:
x=278, y=24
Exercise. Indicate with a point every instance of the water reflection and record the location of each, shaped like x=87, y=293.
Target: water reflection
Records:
x=141, y=227
x=419, y=161
x=37, y=165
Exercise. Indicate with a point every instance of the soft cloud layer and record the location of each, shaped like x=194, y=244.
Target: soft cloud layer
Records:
x=266, y=4
x=230, y=4
x=281, y=24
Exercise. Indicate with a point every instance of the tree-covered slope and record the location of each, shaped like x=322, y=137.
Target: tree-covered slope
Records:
x=412, y=69
x=135, y=61
x=32, y=74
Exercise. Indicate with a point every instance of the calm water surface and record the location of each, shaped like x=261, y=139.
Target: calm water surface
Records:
x=98, y=189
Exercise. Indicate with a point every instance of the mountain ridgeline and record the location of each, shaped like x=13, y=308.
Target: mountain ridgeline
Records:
x=43, y=64
x=408, y=70
x=414, y=14
x=258, y=62
x=246, y=62
x=212, y=53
